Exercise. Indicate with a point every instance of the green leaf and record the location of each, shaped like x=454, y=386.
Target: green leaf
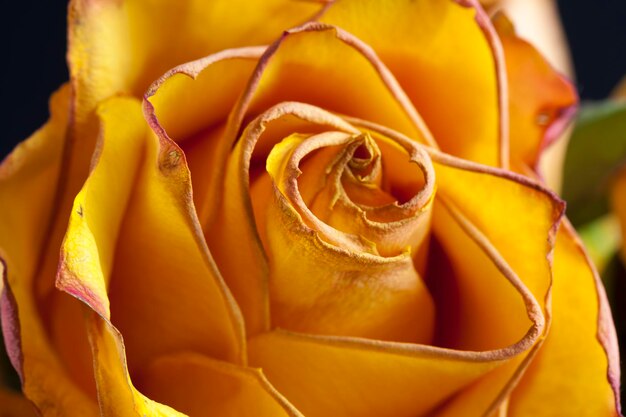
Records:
x=596, y=149
x=602, y=240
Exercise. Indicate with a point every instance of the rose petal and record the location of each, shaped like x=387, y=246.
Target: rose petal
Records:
x=317, y=271
x=324, y=375
x=198, y=385
x=353, y=80
x=579, y=360
x=116, y=394
x=541, y=101
x=443, y=60
x=122, y=46
x=234, y=225
x=149, y=277
x=191, y=102
x=28, y=189
x=486, y=210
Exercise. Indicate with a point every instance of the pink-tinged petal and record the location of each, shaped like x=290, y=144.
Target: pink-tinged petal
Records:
x=108, y=259
x=541, y=101
x=30, y=189
x=10, y=321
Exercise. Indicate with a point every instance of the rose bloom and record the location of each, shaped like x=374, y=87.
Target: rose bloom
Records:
x=347, y=222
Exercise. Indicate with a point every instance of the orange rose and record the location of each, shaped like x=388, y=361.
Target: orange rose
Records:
x=354, y=243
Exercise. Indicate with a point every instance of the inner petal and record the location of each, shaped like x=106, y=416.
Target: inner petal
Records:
x=332, y=269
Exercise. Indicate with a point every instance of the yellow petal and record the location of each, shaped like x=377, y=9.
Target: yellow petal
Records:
x=187, y=382
x=541, y=101
x=326, y=281
x=479, y=204
x=162, y=272
x=576, y=372
x=485, y=313
x=122, y=46
x=234, y=225
x=324, y=375
x=446, y=61
x=116, y=394
x=619, y=206
x=28, y=180
x=350, y=79
x=200, y=386
x=28, y=189
x=192, y=103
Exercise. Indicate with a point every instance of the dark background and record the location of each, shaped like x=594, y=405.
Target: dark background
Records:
x=33, y=56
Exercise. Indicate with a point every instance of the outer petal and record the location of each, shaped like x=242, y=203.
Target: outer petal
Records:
x=123, y=45
x=541, y=101
x=127, y=198
x=350, y=363
x=192, y=103
x=197, y=384
x=352, y=73
x=579, y=360
x=139, y=186
x=444, y=61
x=484, y=215
x=28, y=190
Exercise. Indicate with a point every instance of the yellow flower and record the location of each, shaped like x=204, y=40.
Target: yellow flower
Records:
x=354, y=243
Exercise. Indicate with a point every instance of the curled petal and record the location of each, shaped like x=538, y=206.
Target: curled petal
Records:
x=317, y=270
